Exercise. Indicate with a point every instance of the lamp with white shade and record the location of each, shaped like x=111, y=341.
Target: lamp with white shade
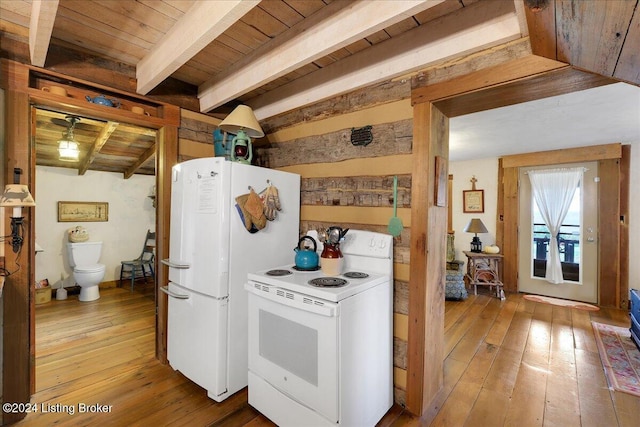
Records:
x=16, y=196
x=243, y=123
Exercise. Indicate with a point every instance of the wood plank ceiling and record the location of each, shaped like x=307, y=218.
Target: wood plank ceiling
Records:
x=106, y=146
x=279, y=55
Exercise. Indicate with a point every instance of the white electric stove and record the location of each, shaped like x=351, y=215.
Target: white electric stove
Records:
x=316, y=284
x=321, y=347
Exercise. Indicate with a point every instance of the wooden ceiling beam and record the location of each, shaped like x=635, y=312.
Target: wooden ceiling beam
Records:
x=521, y=11
x=469, y=30
x=141, y=160
x=43, y=15
x=627, y=67
x=102, y=139
x=554, y=82
x=601, y=37
x=51, y=114
x=542, y=30
x=589, y=33
x=526, y=66
x=326, y=31
x=201, y=25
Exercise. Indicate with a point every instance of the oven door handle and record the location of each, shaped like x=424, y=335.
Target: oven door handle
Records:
x=293, y=299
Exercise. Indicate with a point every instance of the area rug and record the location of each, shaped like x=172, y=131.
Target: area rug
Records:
x=562, y=302
x=620, y=357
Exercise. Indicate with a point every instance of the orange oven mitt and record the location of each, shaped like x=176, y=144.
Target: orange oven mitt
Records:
x=252, y=212
x=254, y=205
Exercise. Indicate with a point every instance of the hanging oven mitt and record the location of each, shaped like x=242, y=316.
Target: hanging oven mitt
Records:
x=260, y=222
x=250, y=206
x=254, y=207
x=268, y=213
x=245, y=216
x=271, y=202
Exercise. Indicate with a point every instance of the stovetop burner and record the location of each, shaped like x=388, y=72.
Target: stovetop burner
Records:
x=296, y=268
x=355, y=275
x=278, y=272
x=327, y=282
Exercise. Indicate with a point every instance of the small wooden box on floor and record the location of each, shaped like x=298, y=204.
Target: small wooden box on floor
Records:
x=43, y=295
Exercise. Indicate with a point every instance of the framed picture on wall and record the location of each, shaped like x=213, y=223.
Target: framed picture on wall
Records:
x=473, y=201
x=83, y=211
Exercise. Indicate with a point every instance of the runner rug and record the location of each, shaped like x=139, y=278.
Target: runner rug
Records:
x=620, y=357
x=562, y=302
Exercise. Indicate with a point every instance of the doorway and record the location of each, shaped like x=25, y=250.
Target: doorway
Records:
x=577, y=240
x=106, y=150
x=18, y=356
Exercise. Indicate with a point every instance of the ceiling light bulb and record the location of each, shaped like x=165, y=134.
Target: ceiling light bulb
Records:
x=68, y=151
x=67, y=146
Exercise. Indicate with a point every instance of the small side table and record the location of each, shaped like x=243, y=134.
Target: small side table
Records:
x=484, y=270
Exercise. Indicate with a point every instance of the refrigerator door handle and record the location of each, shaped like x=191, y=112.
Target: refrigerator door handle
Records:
x=174, y=264
x=166, y=290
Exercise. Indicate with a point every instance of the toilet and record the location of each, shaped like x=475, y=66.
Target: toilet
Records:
x=83, y=258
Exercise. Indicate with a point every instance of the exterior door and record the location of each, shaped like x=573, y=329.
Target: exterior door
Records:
x=578, y=241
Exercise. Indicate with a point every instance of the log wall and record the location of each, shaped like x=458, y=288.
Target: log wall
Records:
x=341, y=184
x=352, y=186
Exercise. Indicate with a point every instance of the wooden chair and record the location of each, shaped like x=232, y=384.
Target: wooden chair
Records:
x=138, y=267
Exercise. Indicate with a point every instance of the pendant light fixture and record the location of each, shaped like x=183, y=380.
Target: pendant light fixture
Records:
x=67, y=146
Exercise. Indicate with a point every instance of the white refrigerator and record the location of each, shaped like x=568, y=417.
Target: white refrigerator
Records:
x=211, y=253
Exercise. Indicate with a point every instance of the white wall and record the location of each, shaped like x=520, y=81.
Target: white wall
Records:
x=486, y=172
x=131, y=213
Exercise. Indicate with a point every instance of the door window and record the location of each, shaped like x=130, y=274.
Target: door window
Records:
x=569, y=239
x=577, y=238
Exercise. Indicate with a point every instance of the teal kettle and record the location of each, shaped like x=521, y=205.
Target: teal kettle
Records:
x=306, y=259
x=103, y=100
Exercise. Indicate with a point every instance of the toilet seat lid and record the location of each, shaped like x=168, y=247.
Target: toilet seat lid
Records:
x=93, y=268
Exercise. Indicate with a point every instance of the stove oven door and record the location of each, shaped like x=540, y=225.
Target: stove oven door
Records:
x=293, y=345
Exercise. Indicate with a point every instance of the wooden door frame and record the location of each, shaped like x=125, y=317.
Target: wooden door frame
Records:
x=19, y=292
x=516, y=81
x=17, y=357
x=613, y=204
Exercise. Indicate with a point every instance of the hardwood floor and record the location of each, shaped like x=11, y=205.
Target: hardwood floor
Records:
x=509, y=363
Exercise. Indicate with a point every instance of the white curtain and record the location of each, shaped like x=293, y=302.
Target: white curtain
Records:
x=553, y=190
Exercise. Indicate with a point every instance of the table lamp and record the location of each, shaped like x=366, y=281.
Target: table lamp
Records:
x=243, y=123
x=16, y=196
x=476, y=226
